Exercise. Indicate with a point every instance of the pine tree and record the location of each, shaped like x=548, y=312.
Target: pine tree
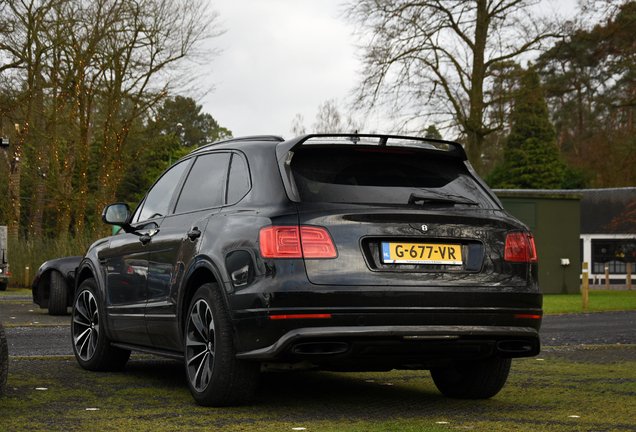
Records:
x=531, y=155
x=432, y=132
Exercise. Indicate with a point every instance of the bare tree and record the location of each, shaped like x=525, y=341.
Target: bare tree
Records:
x=330, y=120
x=24, y=49
x=81, y=73
x=139, y=58
x=431, y=60
x=298, y=127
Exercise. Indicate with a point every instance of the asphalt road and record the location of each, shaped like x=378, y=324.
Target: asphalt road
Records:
x=31, y=332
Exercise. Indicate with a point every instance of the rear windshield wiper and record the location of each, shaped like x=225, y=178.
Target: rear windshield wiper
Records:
x=437, y=199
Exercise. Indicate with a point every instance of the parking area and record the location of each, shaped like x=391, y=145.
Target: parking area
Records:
x=562, y=389
x=569, y=386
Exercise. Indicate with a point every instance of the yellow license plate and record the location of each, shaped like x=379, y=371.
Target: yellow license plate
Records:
x=421, y=253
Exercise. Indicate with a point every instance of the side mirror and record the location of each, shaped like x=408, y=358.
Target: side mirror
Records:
x=117, y=214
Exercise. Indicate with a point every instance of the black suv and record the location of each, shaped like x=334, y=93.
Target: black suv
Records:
x=332, y=252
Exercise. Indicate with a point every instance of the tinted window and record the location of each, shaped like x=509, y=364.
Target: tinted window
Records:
x=383, y=176
x=158, y=198
x=205, y=185
x=239, y=182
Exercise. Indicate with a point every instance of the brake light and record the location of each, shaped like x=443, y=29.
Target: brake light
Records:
x=525, y=316
x=385, y=151
x=292, y=242
x=520, y=248
x=317, y=243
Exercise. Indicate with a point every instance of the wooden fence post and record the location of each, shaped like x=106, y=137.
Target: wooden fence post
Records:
x=629, y=276
x=607, y=281
x=586, y=286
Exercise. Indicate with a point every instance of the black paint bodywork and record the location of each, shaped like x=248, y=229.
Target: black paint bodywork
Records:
x=40, y=287
x=382, y=316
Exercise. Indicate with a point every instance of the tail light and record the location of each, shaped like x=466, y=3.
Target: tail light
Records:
x=295, y=242
x=527, y=316
x=520, y=248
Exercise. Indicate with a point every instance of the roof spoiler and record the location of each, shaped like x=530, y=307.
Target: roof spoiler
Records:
x=450, y=148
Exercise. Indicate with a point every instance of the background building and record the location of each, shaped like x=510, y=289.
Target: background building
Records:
x=575, y=226
x=603, y=242
x=554, y=217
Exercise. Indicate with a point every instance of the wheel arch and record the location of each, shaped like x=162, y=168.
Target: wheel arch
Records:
x=42, y=289
x=203, y=271
x=85, y=271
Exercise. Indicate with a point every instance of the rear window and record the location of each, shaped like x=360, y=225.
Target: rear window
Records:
x=384, y=176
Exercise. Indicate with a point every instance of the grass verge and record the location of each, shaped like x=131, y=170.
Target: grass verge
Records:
x=33, y=253
x=599, y=300
x=562, y=390
x=14, y=291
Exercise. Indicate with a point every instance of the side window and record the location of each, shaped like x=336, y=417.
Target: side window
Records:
x=158, y=198
x=205, y=186
x=239, y=182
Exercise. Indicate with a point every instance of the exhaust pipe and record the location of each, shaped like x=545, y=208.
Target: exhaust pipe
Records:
x=514, y=346
x=320, y=348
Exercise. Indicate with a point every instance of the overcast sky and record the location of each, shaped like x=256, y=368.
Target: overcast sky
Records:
x=281, y=58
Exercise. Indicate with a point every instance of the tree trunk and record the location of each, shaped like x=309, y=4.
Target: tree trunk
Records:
x=475, y=121
x=14, y=194
x=42, y=163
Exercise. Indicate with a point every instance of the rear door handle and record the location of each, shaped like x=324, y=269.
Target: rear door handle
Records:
x=194, y=233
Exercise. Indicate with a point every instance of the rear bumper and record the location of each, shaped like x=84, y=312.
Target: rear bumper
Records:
x=375, y=328
x=388, y=347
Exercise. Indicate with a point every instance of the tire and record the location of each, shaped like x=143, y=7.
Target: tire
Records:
x=58, y=296
x=215, y=377
x=473, y=380
x=4, y=360
x=3, y=285
x=92, y=348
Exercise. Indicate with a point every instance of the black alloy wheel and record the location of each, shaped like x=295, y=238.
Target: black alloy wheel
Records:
x=201, y=345
x=215, y=376
x=92, y=348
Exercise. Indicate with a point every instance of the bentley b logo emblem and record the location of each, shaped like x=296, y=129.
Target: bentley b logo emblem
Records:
x=424, y=228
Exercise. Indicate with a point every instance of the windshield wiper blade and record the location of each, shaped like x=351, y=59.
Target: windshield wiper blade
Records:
x=450, y=200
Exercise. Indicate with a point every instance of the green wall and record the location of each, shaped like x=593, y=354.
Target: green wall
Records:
x=555, y=221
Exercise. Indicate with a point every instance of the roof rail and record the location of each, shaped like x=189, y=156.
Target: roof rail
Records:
x=454, y=149
x=251, y=138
